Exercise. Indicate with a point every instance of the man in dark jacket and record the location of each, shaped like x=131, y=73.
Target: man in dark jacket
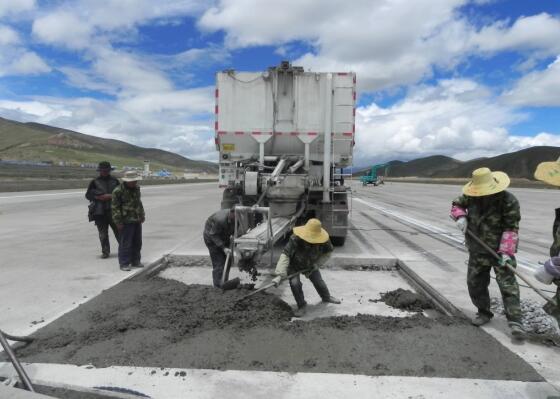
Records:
x=218, y=229
x=128, y=215
x=99, y=193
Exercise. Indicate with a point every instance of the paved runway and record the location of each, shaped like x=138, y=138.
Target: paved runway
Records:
x=50, y=253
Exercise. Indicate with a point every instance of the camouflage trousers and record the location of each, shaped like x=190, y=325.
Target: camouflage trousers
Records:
x=549, y=308
x=478, y=280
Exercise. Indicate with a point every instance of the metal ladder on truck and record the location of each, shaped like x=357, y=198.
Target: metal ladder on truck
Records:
x=344, y=189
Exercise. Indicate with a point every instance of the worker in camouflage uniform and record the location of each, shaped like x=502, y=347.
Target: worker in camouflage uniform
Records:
x=218, y=230
x=99, y=194
x=128, y=215
x=308, y=248
x=492, y=214
x=549, y=172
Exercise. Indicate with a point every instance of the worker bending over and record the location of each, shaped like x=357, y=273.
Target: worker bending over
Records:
x=492, y=214
x=549, y=172
x=218, y=230
x=308, y=249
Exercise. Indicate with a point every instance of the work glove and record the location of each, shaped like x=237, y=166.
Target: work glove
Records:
x=504, y=259
x=462, y=224
x=227, y=251
x=277, y=280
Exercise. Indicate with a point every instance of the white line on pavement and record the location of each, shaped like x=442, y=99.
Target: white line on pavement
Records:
x=521, y=262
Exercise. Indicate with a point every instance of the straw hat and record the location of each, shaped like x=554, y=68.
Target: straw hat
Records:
x=549, y=172
x=312, y=232
x=131, y=175
x=485, y=182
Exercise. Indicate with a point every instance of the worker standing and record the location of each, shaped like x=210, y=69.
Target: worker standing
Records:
x=308, y=248
x=492, y=214
x=218, y=230
x=99, y=194
x=549, y=172
x=128, y=215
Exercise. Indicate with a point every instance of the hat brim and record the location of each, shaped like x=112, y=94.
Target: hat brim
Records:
x=548, y=172
x=131, y=179
x=307, y=236
x=500, y=183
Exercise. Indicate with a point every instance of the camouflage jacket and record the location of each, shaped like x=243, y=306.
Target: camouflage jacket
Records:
x=305, y=256
x=218, y=229
x=126, y=205
x=555, y=247
x=501, y=213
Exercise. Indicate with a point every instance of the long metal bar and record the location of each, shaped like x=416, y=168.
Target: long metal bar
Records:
x=498, y=257
x=327, y=124
x=15, y=362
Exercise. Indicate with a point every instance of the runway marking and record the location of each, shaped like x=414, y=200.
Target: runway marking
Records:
x=521, y=262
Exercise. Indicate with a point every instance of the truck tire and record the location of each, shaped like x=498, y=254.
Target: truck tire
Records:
x=338, y=241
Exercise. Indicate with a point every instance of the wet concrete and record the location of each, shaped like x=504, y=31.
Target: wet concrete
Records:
x=406, y=300
x=165, y=323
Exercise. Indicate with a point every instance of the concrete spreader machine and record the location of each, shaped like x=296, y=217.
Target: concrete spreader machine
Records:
x=285, y=138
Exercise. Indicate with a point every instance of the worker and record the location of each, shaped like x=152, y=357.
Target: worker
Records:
x=308, y=248
x=99, y=193
x=492, y=214
x=218, y=231
x=129, y=215
x=549, y=172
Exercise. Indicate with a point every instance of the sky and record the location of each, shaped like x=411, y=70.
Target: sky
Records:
x=463, y=78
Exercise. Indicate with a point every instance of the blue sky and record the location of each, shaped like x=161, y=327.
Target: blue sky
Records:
x=464, y=78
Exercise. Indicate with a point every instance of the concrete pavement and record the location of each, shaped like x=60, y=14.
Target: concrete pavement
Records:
x=50, y=258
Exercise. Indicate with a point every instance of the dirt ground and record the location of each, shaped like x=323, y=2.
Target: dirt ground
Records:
x=405, y=299
x=164, y=323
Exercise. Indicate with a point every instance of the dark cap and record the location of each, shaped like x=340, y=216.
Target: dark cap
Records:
x=104, y=165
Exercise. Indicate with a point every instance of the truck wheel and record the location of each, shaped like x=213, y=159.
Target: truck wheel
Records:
x=338, y=241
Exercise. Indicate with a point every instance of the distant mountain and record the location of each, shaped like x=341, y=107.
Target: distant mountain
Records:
x=37, y=142
x=519, y=164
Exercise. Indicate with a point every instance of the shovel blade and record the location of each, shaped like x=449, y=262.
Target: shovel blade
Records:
x=231, y=284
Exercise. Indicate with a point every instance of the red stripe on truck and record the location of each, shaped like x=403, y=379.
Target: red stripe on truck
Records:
x=222, y=133
x=312, y=133
x=239, y=133
x=347, y=134
x=217, y=93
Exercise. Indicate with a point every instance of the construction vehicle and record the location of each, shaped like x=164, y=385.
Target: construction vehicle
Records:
x=373, y=177
x=285, y=139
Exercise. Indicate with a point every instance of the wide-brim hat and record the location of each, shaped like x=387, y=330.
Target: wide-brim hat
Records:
x=485, y=182
x=312, y=232
x=104, y=165
x=549, y=172
x=131, y=176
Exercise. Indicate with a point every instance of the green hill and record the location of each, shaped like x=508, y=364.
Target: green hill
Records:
x=519, y=164
x=36, y=142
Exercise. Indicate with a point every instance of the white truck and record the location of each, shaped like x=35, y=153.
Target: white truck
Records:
x=285, y=138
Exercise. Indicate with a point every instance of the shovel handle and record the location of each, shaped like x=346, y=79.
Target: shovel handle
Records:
x=498, y=257
x=271, y=285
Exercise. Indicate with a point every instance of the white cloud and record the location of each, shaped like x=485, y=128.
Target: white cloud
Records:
x=11, y=7
x=8, y=36
x=456, y=117
x=536, y=32
x=62, y=27
x=79, y=24
x=18, y=61
x=539, y=88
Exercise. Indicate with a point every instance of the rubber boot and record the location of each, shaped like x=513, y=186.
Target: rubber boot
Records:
x=125, y=268
x=481, y=319
x=517, y=330
x=139, y=264
x=332, y=299
x=300, y=312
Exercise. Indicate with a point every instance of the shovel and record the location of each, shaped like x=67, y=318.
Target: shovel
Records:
x=233, y=283
x=498, y=257
x=268, y=286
